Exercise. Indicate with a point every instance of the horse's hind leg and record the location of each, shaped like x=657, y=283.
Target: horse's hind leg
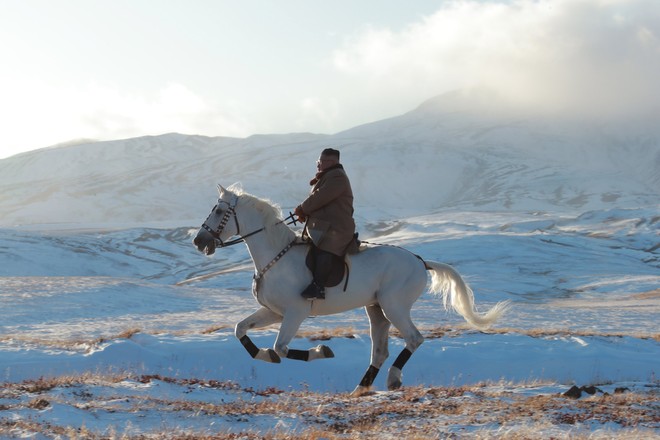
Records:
x=259, y=319
x=401, y=320
x=379, y=327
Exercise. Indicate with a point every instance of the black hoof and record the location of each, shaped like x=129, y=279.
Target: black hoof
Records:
x=274, y=357
x=327, y=352
x=394, y=385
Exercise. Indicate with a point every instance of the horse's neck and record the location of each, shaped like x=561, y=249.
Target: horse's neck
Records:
x=263, y=247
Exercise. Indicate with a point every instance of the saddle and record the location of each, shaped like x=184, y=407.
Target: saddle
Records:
x=339, y=265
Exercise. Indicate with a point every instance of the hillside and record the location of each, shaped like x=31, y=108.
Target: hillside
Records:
x=458, y=150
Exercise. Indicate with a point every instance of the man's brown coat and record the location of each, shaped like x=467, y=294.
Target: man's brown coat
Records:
x=329, y=211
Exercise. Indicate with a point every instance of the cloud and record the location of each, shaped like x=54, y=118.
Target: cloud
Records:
x=174, y=107
x=317, y=112
x=42, y=114
x=583, y=55
x=586, y=56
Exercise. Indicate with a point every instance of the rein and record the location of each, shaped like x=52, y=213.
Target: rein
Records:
x=231, y=210
x=289, y=220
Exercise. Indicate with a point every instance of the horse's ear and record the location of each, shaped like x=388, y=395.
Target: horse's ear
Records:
x=221, y=189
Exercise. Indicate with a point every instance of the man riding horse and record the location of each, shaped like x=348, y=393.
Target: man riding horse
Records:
x=387, y=279
x=328, y=213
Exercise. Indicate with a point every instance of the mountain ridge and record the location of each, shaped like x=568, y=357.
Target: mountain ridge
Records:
x=452, y=151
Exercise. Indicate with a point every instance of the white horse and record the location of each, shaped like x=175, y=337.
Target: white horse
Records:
x=385, y=280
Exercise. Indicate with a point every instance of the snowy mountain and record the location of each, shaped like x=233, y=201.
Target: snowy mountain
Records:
x=462, y=150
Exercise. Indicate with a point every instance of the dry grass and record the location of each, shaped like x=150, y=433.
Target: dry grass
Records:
x=438, y=332
x=480, y=411
x=215, y=328
x=651, y=294
x=43, y=384
x=81, y=345
x=349, y=332
x=485, y=411
x=327, y=334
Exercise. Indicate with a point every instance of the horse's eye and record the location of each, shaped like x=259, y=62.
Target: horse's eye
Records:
x=218, y=211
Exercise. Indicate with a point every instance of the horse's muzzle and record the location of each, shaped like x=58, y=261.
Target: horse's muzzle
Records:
x=204, y=245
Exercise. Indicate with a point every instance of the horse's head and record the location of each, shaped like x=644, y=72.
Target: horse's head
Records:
x=218, y=227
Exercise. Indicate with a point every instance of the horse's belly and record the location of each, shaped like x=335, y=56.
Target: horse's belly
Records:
x=338, y=301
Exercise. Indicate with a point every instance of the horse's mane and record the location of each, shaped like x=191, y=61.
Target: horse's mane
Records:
x=272, y=216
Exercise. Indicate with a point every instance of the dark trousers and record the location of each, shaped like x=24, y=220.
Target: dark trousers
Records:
x=322, y=265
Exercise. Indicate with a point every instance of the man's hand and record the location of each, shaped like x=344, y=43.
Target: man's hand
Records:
x=300, y=214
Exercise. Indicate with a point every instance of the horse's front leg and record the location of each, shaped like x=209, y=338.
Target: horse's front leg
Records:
x=259, y=319
x=288, y=329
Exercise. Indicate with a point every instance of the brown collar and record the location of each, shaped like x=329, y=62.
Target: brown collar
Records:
x=320, y=174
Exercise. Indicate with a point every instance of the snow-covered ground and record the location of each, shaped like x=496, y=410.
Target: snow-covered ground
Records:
x=113, y=324
x=140, y=303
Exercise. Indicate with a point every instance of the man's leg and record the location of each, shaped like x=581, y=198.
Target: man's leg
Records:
x=321, y=272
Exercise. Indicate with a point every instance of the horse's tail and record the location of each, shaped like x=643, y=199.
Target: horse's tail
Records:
x=447, y=281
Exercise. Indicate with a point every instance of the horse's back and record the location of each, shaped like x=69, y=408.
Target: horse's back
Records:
x=387, y=265
x=383, y=253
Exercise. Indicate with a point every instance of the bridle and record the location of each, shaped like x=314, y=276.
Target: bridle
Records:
x=231, y=211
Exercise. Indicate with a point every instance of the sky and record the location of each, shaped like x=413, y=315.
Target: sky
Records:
x=83, y=69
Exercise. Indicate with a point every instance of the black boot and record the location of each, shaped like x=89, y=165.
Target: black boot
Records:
x=313, y=291
x=321, y=273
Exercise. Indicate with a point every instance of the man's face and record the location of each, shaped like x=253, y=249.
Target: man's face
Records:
x=326, y=162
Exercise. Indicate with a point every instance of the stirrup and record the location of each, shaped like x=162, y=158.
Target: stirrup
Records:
x=313, y=291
